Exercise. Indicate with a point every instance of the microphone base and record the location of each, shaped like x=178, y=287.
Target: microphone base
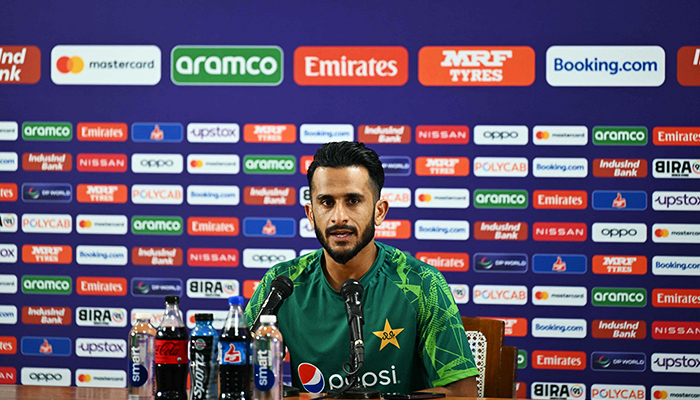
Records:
x=289, y=391
x=357, y=393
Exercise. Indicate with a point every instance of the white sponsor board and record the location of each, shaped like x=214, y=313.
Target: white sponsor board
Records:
x=558, y=391
x=501, y=135
x=9, y=161
x=266, y=258
x=105, y=65
x=431, y=229
x=45, y=376
x=574, y=296
x=512, y=167
x=304, y=252
x=8, y=253
x=675, y=265
x=9, y=130
x=8, y=315
x=566, y=328
x=441, y=198
x=605, y=66
x=108, y=378
x=47, y=223
x=224, y=164
x=156, y=315
x=304, y=195
x=397, y=197
x=212, y=288
x=101, y=316
x=210, y=132
x=8, y=222
x=213, y=195
x=676, y=392
x=560, y=135
x=675, y=233
x=8, y=284
x=675, y=362
x=325, y=133
x=460, y=292
x=618, y=392
x=499, y=294
x=153, y=163
x=101, y=255
x=157, y=194
x=96, y=224
x=676, y=168
x=675, y=201
x=559, y=167
x=305, y=229
x=219, y=318
x=100, y=347
x=619, y=232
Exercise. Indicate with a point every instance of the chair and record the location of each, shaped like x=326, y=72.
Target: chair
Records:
x=497, y=364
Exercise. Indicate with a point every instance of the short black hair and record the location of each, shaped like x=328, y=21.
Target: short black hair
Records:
x=349, y=154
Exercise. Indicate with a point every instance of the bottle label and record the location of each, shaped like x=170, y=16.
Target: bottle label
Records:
x=171, y=351
x=264, y=376
x=234, y=353
x=200, y=371
x=138, y=361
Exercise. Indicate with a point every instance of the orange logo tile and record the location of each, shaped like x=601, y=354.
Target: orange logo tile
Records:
x=107, y=193
x=270, y=133
x=442, y=166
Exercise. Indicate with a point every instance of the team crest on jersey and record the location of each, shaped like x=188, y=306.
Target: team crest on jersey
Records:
x=388, y=335
x=311, y=378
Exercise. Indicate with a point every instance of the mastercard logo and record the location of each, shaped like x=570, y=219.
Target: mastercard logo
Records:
x=425, y=197
x=85, y=224
x=84, y=378
x=542, y=135
x=73, y=64
x=661, y=233
x=196, y=163
x=541, y=295
x=660, y=395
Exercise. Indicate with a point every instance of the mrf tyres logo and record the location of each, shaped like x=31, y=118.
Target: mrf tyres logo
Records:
x=156, y=225
x=227, y=65
x=269, y=165
x=618, y=297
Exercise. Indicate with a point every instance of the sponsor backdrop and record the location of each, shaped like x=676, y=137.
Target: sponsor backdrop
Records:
x=545, y=159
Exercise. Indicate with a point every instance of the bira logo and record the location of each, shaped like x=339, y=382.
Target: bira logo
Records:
x=619, y=265
x=102, y=194
x=227, y=65
x=558, y=391
x=393, y=229
x=351, y=66
x=491, y=230
x=560, y=231
x=89, y=162
x=47, y=254
x=212, y=288
x=100, y=316
x=442, y=166
x=676, y=298
x=476, y=66
x=560, y=199
x=566, y=360
x=20, y=64
x=676, y=168
x=34, y=315
x=384, y=134
x=270, y=133
x=619, y=168
x=157, y=256
x=213, y=226
x=201, y=257
x=102, y=132
x=675, y=330
x=47, y=162
x=618, y=329
x=100, y=286
x=446, y=262
x=442, y=134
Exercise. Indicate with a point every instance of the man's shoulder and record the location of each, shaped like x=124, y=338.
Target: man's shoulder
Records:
x=404, y=269
x=296, y=268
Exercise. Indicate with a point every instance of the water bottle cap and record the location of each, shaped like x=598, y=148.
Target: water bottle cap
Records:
x=235, y=301
x=204, y=317
x=268, y=319
x=172, y=299
x=142, y=315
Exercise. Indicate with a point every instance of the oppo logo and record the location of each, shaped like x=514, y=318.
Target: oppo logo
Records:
x=618, y=232
x=45, y=377
x=500, y=135
x=266, y=258
x=269, y=258
x=157, y=163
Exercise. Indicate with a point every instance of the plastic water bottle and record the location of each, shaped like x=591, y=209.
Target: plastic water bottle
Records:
x=234, y=354
x=267, y=360
x=204, y=368
x=142, y=343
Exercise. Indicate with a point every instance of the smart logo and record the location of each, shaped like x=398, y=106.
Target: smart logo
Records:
x=500, y=262
x=499, y=199
x=105, y=65
x=613, y=200
x=227, y=65
x=616, y=361
x=620, y=135
x=45, y=284
x=47, y=192
x=47, y=131
x=156, y=225
x=269, y=165
x=156, y=132
x=156, y=286
x=559, y=264
x=675, y=201
x=46, y=346
x=618, y=297
x=396, y=165
x=269, y=227
x=311, y=378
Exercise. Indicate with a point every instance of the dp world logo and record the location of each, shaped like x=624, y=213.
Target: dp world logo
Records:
x=311, y=378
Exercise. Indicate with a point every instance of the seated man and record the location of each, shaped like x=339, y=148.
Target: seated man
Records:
x=413, y=333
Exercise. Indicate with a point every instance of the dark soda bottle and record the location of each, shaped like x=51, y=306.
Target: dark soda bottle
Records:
x=171, y=353
x=234, y=354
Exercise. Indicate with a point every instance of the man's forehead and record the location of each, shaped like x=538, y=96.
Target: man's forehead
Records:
x=341, y=180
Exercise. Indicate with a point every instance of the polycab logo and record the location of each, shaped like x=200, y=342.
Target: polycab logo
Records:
x=618, y=329
x=560, y=231
x=397, y=197
x=618, y=297
x=101, y=193
x=8, y=253
x=619, y=168
x=212, y=288
x=8, y=284
x=559, y=264
x=223, y=164
x=46, y=315
x=47, y=192
x=675, y=330
x=476, y=66
x=100, y=286
x=46, y=254
x=618, y=361
x=688, y=72
x=619, y=232
x=676, y=298
x=266, y=258
x=351, y=66
x=8, y=192
x=157, y=256
x=492, y=230
x=105, y=65
x=213, y=226
x=446, y=262
x=500, y=294
x=101, y=255
x=564, y=328
x=676, y=168
x=442, y=134
x=8, y=345
x=676, y=136
x=46, y=162
x=676, y=233
x=20, y=64
x=619, y=265
x=500, y=262
x=47, y=223
x=559, y=167
x=560, y=199
x=201, y=257
x=89, y=162
x=675, y=201
x=614, y=200
x=213, y=195
x=567, y=360
x=559, y=391
x=9, y=162
x=679, y=266
x=514, y=327
x=47, y=131
x=675, y=392
x=269, y=165
x=442, y=166
x=102, y=132
x=270, y=133
x=202, y=132
x=566, y=135
x=145, y=163
x=100, y=347
x=501, y=167
x=107, y=378
x=460, y=293
x=499, y=198
x=46, y=346
x=620, y=135
x=442, y=198
x=156, y=132
x=572, y=296
x=384, y=134
x=156, y=286
x=669, y=362
x=426, y=229
x=9, y=131
x=501, y=135
x=45, y=376
x=396, y=165
x=227, y=65
x=101, y=317
x=618, y=392
x=101, y=224
x=393, y=229
x=325, y=133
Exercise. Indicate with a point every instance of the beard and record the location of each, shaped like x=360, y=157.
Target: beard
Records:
x=346, y=254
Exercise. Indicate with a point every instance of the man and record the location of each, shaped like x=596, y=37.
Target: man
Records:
x=414, y=338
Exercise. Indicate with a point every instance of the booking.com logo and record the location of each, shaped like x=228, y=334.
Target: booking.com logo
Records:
x=73, y=64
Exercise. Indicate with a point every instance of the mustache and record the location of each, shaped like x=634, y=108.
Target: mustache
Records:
x=332, y=228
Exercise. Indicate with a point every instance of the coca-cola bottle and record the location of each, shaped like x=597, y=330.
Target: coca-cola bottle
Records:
x=171, y=353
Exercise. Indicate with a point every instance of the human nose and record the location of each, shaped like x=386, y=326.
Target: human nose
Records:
x=340, y=214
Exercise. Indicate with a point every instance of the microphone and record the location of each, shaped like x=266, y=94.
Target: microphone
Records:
x=352, y=290
x=280, y=288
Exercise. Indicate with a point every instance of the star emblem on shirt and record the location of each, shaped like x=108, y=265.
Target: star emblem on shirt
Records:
x=388, y=335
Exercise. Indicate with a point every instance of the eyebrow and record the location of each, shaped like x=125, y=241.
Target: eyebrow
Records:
x=347, y=195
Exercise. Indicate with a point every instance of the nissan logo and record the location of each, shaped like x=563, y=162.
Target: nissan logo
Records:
x=45, y=377
x=157, y=163
x=619, y=232
x=268, y=258
x=500, y=135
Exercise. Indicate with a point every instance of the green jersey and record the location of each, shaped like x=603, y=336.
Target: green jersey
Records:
x=413, y=333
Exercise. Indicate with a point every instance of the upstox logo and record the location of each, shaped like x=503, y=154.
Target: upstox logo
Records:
x=620, y=135
x=496, y=198
x=47, y=131
x=618, y=297
x=229, y=65
x=156, y=225
x=46, y=284
x=269, y=165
